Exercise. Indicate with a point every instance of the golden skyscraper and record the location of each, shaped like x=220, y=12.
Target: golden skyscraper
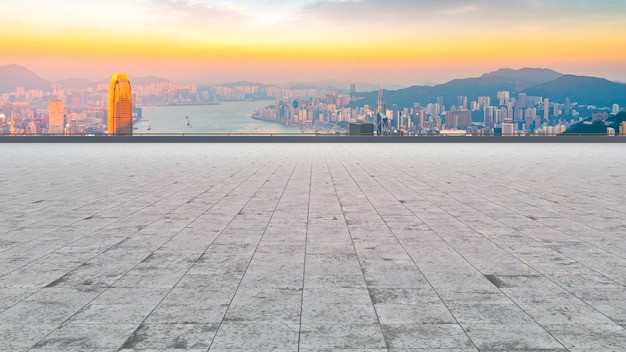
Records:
x=120, y=106
x=55, y=117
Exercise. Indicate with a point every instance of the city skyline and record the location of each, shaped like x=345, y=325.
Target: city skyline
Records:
x=395, y=42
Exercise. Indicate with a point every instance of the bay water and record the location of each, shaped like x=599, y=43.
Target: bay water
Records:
x=224, y=117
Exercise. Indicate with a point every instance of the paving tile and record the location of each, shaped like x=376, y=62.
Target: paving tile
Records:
x=341, y=336
x=414, y=314
x=256, y=335
x=188, y=314
x=11, y=296
x=425, y=336
x=512, y=337
x=266, y=304
x=595, y=338
x=152, y=336
x=105, y=314
x=85, y=337
x=21, y=336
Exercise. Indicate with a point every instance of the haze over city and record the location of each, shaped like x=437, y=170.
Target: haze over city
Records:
x=394, y=42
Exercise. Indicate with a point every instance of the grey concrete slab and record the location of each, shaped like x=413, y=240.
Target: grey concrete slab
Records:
x=151, y=336
x=426, y=336
x=313, y=247
x=77, y=337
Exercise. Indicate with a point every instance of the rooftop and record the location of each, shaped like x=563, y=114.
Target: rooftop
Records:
x=313, y=247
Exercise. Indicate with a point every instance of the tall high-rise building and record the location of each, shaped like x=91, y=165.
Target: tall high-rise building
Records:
x=55, y=117
x=522, y=100
x=381, y=104
x=461, y=102
x=120, y=106
x=484, y=102
x=546, y=110
x=503, y=97
x=382, y=121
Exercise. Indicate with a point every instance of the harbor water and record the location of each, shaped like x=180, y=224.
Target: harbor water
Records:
x=226, y=117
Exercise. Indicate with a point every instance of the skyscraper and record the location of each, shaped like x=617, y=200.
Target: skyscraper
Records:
x=55, y=117
x=381, y=104
x=120, y=106
x=382, y=121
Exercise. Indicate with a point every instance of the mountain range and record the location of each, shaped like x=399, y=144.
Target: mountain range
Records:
x=13, y=76
x=532, y=81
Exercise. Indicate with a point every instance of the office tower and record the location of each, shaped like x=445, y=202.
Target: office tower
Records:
x=507, y=127
x=458, y=119
x=503, y=97
x=55, y=117
x=381, y=104
x=382, y=121
x=568, y=108
x=522, y=99
x=489, y=116
x=556, y=110
x=484, y=102
x=546, y=110
x=461, y=102
x=120, y=106
x=352, y=88
x=361, y=128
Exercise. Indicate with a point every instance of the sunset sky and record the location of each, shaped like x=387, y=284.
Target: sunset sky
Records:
x=276, y=41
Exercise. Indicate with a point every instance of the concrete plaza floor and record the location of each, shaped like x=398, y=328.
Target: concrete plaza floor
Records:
x=313, y=247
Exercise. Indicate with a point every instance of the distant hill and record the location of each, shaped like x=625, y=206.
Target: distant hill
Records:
x=77, y=83
x=535, y=82
x=585, y=90
x=486, y=85
x=138, y=81
x=146, y=81
x=598, y=127
x=13, y=76
x=339, y=85
x=245, y=83
x=526, y=77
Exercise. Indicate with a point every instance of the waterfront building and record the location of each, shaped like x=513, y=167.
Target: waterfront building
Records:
x=55, y=117
x=120, y=105
x=507, y=127
x=361, y=128
x=458, y=119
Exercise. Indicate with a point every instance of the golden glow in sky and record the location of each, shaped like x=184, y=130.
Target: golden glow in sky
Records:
x=276, y=41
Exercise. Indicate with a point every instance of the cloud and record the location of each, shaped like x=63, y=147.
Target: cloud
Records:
x=397, y=12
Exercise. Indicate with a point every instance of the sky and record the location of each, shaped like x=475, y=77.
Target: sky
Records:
x=393, y=42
